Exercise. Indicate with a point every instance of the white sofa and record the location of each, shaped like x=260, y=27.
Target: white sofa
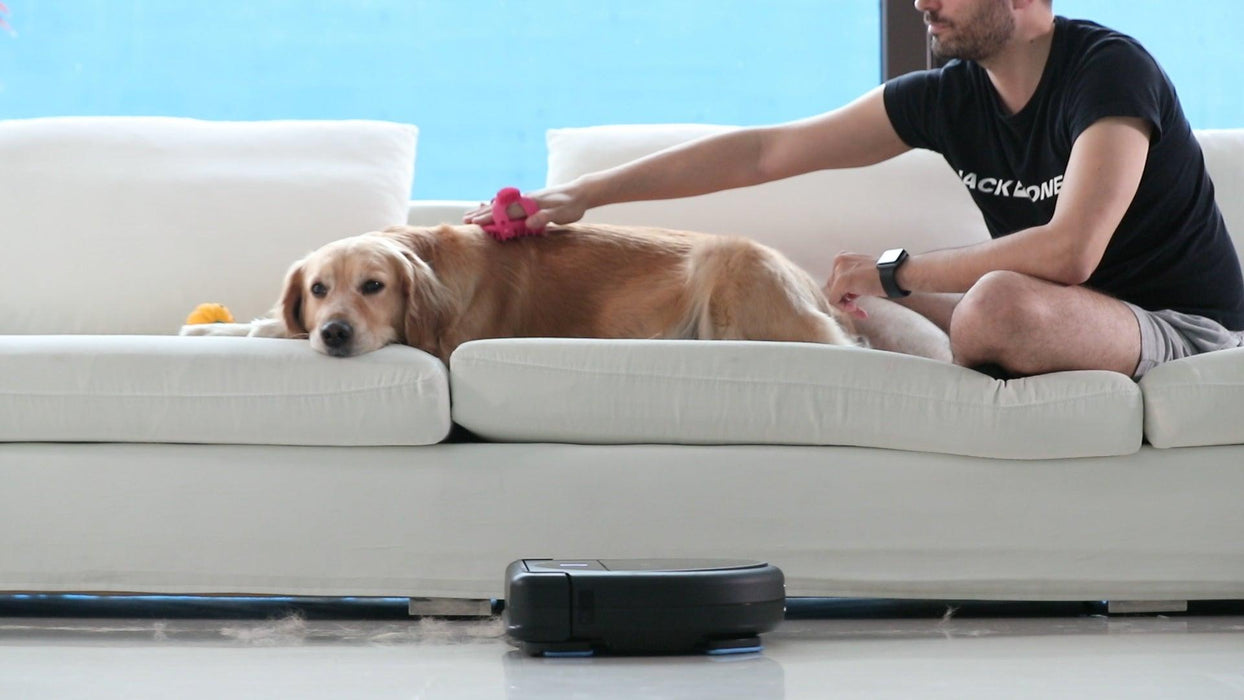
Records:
x=132, y=460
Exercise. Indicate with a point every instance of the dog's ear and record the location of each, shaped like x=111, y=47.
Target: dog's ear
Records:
x=429, y=305
x=291, y=301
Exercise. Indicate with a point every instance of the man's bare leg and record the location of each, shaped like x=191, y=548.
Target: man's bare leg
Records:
x=935, y=306
x=1023, y=324
x=1031, y=326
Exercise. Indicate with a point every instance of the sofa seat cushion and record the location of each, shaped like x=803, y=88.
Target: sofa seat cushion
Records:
x=1195, y=401
x=216, y=390
x=726, y=392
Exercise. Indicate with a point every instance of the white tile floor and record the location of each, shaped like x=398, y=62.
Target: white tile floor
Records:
x=1090, y=656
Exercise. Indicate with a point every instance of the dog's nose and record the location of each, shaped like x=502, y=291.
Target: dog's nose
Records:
x=336, y=333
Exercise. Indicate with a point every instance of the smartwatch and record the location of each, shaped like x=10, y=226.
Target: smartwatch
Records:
x=887, y=266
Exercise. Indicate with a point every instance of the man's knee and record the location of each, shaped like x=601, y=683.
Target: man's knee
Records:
x=994, y=318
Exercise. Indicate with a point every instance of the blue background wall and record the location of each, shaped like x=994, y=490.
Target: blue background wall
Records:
x=483, y=79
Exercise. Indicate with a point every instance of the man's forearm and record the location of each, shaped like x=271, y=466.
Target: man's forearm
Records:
x=719, y=162
x=1038, y=252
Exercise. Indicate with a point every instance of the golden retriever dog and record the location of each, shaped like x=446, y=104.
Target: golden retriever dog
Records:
x=435, y=288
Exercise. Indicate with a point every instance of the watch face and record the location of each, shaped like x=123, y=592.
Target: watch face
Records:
x=890, y=256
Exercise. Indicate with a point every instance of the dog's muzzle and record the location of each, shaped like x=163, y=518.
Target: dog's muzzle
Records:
x=336, y=335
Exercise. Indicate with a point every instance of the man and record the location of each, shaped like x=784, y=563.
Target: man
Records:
x=1108, y=250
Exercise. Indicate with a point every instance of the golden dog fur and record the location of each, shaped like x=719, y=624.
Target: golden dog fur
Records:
x=435, y=288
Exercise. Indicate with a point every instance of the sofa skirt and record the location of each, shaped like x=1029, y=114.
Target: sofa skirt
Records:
x=444, y=520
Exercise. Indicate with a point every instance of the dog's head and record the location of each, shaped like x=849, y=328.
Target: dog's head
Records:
x=359, y=294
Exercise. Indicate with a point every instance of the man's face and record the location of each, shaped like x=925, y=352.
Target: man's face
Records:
x=973, y=30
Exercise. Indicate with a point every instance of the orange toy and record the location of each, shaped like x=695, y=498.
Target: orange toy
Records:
x=209, y=313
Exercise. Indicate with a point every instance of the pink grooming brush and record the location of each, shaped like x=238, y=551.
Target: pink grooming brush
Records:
x=503, y=228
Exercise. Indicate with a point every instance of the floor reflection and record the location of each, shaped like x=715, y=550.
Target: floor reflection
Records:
x=605, y=678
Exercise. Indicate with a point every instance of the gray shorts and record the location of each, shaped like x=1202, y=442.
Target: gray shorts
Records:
x=1169, y=335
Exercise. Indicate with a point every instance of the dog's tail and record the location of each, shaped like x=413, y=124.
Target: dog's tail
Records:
x=742, y=290
x=817, y=295
x=846, y=322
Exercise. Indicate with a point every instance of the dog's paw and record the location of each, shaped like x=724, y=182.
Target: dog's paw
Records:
x=267, y=328
x=215, y=329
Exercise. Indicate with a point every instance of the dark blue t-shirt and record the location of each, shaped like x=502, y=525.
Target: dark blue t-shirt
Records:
x=1171, y=250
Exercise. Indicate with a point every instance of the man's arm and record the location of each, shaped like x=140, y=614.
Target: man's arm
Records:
x=1103, y=174
x=852, y=136
x=857, y=134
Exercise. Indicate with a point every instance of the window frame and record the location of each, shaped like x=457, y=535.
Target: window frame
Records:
x=905, y=45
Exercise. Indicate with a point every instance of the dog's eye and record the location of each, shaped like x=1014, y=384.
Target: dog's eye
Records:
x=318, y=290
x=372, y=286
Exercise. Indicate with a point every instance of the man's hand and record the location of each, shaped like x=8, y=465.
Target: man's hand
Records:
x=558, y=205
x=853, y=276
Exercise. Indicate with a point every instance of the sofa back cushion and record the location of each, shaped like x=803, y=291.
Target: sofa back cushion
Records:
x=913, y=201
x=1224, y=157
x=125, y=224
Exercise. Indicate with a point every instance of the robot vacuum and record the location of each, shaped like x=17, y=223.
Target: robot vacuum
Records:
x=581, y=607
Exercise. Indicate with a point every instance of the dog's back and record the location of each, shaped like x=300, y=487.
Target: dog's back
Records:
x=587, y=280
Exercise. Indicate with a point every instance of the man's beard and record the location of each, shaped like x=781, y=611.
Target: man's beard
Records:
x=979, y=36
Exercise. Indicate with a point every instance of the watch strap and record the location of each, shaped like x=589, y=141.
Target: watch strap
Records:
x=887, y=273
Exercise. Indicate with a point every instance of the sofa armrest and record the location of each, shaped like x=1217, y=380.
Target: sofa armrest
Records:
x=430, y=212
